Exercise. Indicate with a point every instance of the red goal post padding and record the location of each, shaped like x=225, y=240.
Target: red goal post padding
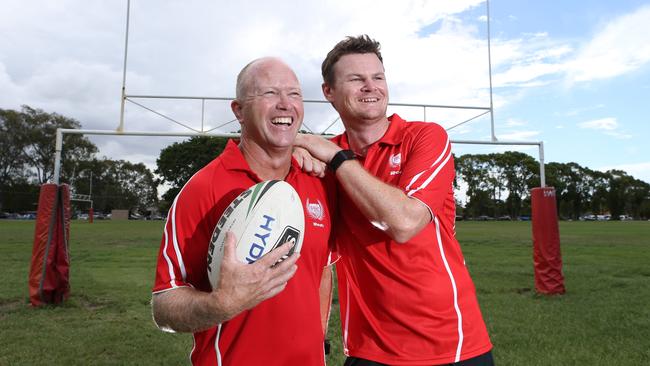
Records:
x=547, y=258
x=49, y=272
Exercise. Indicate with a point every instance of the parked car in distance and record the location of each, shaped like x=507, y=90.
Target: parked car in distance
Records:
x=485, y=218
x=27, y=215
x=136, y=216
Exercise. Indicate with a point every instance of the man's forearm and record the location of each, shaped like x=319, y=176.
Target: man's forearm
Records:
x=187, y=310
x=386, y=206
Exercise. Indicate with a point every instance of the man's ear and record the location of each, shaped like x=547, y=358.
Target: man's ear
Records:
x=327, y=92
x=236, y=107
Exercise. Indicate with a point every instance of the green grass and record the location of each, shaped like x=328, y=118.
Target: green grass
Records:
x=603, y=319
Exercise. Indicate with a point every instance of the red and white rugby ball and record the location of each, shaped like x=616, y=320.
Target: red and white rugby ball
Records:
x=262, y=217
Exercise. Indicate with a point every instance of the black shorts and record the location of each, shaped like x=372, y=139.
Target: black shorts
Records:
x=481, y=360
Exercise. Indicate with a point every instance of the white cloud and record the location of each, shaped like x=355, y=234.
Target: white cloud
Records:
x=197, y=48
x=623, y=45
x=637, y=170
x=520, y=75
x=531, y=61
x=609, y=124
x=535, y=60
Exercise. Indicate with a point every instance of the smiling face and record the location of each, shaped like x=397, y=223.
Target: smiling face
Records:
x=270, y=107
x=359, y=91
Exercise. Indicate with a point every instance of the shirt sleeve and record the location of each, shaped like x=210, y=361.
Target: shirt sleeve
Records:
x=428, y=170
x=183, y=247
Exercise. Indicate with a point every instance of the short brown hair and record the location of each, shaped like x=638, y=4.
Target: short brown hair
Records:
x=350, y=45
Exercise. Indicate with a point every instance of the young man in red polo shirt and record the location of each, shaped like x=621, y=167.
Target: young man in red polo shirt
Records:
x=405, y=295
x=258, y=314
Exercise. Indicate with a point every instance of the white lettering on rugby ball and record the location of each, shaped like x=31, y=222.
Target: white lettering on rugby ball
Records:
x=262, y=217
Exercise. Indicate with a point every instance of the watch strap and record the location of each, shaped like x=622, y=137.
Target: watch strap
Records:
x=341, y=157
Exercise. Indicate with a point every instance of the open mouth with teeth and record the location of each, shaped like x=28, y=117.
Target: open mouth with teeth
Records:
x=282, y=121
x=369, y=100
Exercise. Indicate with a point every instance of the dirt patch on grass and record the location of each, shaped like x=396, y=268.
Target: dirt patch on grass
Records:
x=10, y=305
x=91, y=304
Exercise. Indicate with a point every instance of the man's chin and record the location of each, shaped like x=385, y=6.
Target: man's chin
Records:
x=371, y=117
x=281, y=145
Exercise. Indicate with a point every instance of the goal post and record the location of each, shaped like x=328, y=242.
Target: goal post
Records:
x=545, y=226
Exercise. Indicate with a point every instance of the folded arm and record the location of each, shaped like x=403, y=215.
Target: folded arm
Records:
x=241, y=287
x=386, y=206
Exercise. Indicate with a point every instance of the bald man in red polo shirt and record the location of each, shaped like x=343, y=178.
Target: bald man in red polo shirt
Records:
x=259, y=313
x=405, y=295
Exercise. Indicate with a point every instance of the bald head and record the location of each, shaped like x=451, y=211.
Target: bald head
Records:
x=268, y=105
x=246, y=78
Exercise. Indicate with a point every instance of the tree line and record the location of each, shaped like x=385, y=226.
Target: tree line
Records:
x=27, y=147
x=500, y=183
x=495, y=185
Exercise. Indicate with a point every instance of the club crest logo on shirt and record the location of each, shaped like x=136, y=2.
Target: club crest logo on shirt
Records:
x=395, y=160
x=315, y=210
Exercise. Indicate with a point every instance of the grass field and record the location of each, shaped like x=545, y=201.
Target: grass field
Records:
x=604, y=318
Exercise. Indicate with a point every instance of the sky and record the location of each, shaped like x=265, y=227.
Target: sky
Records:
x=575, y=75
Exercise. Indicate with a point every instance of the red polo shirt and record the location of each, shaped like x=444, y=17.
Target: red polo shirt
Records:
x=412, y=303
x=283, y=330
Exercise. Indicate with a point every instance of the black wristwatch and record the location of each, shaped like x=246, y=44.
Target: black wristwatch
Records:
x=340, y=157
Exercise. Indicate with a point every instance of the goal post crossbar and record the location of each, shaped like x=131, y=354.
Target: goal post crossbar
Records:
x=133, y=97
x=61, y=131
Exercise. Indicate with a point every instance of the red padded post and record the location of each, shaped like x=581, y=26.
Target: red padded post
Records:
x=547, y=258
x=50, y=264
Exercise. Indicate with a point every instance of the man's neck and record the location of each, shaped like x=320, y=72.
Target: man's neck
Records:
x=363, y=134
x=268, y=164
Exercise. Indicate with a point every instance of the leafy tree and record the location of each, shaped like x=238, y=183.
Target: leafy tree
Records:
x=598, y=188
x=117, y=184
x=573, y=187
x=498, y=183
x=492, y=177
x=39, y=137
x=27, y=142
x=20, y=196
x=637, y=196
x=619, y=182
x=516, y=172
x=12, y=160
x=475, y=171
x=179, y=161
x=644, y=209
